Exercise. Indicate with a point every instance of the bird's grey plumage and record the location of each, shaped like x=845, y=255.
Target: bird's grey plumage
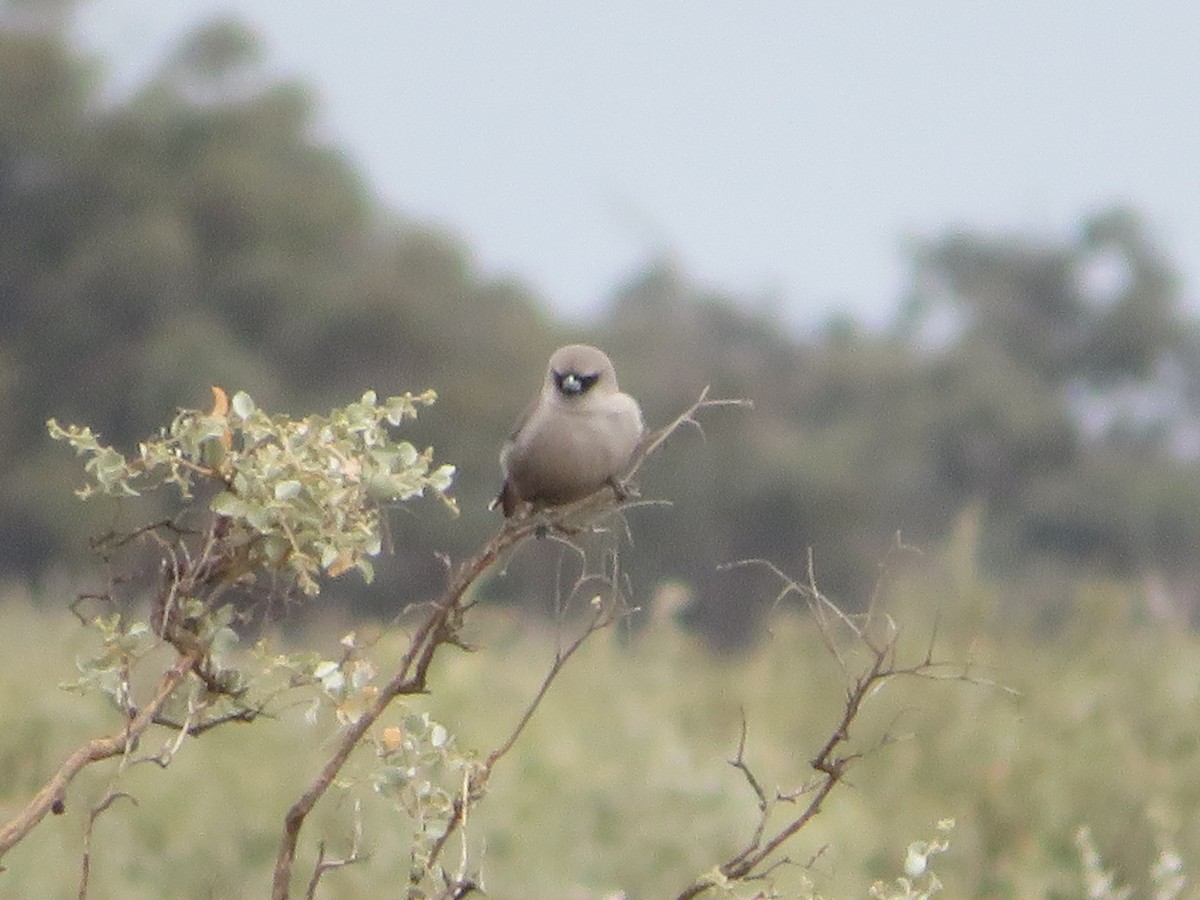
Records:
x=579, y=435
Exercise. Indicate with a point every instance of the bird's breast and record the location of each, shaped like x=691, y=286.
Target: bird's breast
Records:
x=563, y=453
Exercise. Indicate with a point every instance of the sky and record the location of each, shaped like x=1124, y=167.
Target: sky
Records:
x=781, y=149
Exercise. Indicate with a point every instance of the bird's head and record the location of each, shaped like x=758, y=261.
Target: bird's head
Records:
x=579, y=370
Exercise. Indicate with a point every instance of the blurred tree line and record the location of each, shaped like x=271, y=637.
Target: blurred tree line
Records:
x=198, y=231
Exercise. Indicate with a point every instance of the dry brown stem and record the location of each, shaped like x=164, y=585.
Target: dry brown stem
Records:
x=872, y=633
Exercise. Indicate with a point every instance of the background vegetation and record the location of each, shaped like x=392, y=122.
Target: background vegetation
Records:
x=622, y=782
x=197, y=232
x=1040, y=397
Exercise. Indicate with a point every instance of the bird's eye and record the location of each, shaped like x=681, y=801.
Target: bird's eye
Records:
x=572, y=383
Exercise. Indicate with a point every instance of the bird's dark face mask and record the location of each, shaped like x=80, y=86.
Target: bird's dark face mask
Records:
x=573, y=384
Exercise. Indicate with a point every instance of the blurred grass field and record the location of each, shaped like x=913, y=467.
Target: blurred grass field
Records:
x=622, y=783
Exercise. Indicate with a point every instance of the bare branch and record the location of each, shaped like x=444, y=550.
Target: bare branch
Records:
x=739, y=762
x=195, y=729
x=53, y=793
x=687, y=417
x=327, y=865
x=764, y=804
x=86, y=863
x=834, y=758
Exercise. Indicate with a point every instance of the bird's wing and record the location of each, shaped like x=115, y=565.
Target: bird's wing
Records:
x=507, y=499
x=524, y=418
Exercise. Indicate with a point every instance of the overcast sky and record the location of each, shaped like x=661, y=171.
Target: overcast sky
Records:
x=773, y=147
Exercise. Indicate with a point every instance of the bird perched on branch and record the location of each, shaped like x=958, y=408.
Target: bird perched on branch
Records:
x=579, y=435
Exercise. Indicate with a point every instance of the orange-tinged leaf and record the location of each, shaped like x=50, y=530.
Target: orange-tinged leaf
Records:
x=393, y=737
x=344, y=561
x=220, y=402
x=221, y=410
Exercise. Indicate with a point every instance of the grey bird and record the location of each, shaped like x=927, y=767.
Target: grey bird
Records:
x=578, y=436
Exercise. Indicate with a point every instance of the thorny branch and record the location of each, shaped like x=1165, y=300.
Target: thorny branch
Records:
x=759, y=856
x=441, y=626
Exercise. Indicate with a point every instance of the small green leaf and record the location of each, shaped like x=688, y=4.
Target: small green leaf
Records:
x=406, y=453
x=324, y=669
x=366, y=568
x=442, y=478
x=288, y=490
x=243, y=405
x=228, y=504
x=222, y=645
x=381, y=487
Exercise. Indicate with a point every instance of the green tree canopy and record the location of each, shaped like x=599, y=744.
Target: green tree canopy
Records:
x=199, y=230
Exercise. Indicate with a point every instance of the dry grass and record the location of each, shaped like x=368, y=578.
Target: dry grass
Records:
x=622, y=781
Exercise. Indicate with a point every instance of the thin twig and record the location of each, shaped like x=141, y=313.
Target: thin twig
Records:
x=86, y=862
x=687, y=417
x=328, y=865
x=195, y=729
x=739, y=762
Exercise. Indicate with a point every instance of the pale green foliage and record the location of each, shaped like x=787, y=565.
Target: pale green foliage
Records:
x=107, y=669
x=291, y=499
x=919, y=881
x=416, y=767
x=125, y=641
x=420, y=770
x=1100, y=885
x=302, y=495
x=346, y=686
x=1166, y=874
